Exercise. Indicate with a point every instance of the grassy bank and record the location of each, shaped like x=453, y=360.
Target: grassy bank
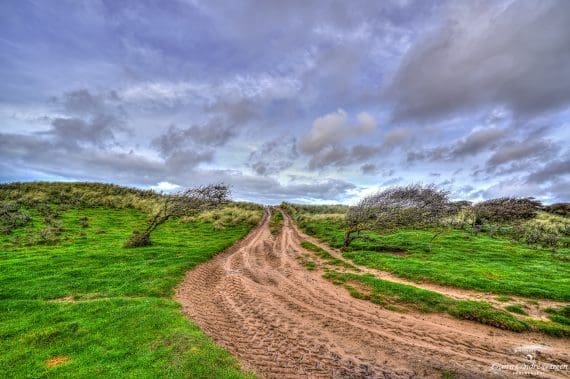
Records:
x=81, y=305
x=458, y=258
x=402, y=297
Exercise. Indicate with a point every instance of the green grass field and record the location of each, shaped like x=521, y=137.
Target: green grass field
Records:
x=457, y=258
x=88, y=307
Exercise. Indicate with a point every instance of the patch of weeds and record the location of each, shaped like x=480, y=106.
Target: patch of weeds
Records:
x=397, y=296
x=486, y=314
x=560, y=315
x=516, y=308
x=503, y=298
x=276, y=221
x=549, y=327
x=325, y=255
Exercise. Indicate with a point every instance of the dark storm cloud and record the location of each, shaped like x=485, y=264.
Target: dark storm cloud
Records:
x=87, y=118
x=520, y=151
x=269, y=189
x=35, y=153
x=476, y=142
x=484, y=55
x=274, y=156
x=369, y=169
x=551, y=171
x=212, y=133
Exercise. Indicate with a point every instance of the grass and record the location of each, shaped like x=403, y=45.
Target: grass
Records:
x=397, y=296
x=118, y=318
x=458, y=259
x=276, y=221
x=325, y=255
x=560, y=315
x=146, y=337
x=402, y=297
x=310, y=265
x=516, y=308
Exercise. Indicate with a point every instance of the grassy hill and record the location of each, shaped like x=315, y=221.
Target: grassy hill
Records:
x=75, y=302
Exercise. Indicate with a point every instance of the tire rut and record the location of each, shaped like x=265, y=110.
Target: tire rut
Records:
x=282, y=321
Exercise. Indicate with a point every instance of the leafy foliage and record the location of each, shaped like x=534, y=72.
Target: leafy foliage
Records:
x=412, y=206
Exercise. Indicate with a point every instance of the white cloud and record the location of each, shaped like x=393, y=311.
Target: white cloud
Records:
x=165, y=187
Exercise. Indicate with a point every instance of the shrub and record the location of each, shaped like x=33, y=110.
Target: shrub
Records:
x=505, y=210
x=83, y=222
x=560, y=209
x=138, y=239
x=50, y=234
x=11, y=217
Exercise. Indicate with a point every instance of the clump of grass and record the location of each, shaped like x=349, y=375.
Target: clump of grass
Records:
x=503, y=298
x=276, y=221
x=516, y=308
x=485, y=314
x=12, y=217
x=231, y=215
x=138, y=239
x=307, y=263
x=560, y=315
x=83, y=222
x=395, y=295
x=325, y=255
x=551, y=328
x=310, y=265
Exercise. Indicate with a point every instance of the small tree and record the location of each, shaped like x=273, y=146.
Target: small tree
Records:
x=186, y=203
x=412, y=206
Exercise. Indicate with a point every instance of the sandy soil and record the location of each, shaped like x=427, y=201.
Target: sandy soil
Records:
x=534, y=307
x=281, y=320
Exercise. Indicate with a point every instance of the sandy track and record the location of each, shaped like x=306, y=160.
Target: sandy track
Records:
x=534, y=307
x=281, y=320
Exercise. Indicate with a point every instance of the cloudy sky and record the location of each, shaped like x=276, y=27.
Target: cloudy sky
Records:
x=306, y=101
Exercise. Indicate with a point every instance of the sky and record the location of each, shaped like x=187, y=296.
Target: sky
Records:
x=302, y=101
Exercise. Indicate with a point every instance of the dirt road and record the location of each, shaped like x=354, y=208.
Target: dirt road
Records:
x=282, y=320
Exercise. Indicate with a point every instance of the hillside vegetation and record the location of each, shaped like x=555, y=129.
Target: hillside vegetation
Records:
x=75, y=302
x=488, y=260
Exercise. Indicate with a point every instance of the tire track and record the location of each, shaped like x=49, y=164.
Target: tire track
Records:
x=283, y=321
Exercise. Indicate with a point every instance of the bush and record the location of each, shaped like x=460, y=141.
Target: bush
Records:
x=138, y=239
x=11, y=217
x=536, y=234
x=505, y=210
x=560, y=209
x=83, y=222
x=50, y=235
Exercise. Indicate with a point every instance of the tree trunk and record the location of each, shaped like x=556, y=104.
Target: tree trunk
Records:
x=347, y=239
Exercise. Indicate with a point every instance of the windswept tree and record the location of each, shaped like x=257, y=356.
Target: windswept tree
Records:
x=185, y=203
x=412, y=206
